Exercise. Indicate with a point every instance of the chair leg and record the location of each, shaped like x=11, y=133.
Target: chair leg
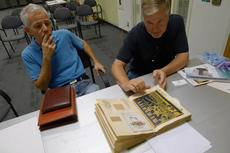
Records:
x=6, y=50
x=80, y=31
x=95, y=27
x=8, y=99
x=13, y=109
x=91, y=70
x=4, y=32
x=101, y=16
x=15, y=32
x=12, y=47
x=75, y=31
x=99, y=28
x=27, y=39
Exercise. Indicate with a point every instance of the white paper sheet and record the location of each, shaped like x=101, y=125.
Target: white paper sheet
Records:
x=179, y=82
x=88, y=139
x=181, y=139
x=141, y=148
x=225, y=87
x=24, y=137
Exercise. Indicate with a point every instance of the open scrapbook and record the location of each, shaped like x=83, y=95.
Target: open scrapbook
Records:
x=129, y=121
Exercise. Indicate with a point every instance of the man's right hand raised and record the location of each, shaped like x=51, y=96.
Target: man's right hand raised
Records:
x=135, y=85
x=48, y=46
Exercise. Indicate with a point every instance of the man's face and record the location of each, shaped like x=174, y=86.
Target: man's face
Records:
x=40, y=25
x=156, y=24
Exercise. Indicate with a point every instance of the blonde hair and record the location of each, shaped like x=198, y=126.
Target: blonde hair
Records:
x=149, y=7
x=28, y=9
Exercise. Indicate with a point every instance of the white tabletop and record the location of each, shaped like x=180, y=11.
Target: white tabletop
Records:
x=209, y=107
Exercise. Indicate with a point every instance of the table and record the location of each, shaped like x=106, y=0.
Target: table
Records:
x=209, y=107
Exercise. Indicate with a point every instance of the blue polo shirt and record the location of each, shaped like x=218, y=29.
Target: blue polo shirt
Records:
x=66, y=64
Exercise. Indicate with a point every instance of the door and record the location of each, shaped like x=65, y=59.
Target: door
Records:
x=227, y=49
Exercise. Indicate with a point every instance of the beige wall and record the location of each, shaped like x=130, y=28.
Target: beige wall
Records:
x=109, y=8
x=209, y=27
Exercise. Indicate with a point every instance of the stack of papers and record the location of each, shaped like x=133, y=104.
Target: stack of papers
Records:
x=207, y=71
x=192, y=81
x=218, y=78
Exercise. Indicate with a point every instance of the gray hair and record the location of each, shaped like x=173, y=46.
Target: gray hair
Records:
x=28, y=9
x=149, y=7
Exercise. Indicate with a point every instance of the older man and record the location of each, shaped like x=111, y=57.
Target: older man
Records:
x=52, y=57
x=158, y=45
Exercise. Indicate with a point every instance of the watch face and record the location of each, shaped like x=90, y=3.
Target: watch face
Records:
x=216, y=2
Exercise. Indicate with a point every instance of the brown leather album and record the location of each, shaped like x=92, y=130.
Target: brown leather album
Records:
x=57, y=98
x=60, y=116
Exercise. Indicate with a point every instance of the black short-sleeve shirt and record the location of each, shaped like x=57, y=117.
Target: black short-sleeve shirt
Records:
x=146, y=53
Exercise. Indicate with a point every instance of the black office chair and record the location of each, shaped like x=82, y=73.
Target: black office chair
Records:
x=51, y=9
x=98, y=9
x=11, y=31
x=72, y=6
x=16, y=12
x=88, y=64
x=64, y=19
x=83, y=13
x=5, y=107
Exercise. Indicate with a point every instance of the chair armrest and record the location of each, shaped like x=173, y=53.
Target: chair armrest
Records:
x=104, y=78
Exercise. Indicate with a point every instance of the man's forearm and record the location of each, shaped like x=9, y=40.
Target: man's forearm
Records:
x=135, y=85
x=180, y=61
x=89, y=51
x=44, y=78
x=118, y=71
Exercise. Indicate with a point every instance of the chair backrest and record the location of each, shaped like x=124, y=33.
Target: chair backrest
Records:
x=98, y=9
x=72, y=5
x=16, y=12
x=11, y=22
x=62, y=14
x=91, y=3
x=84, y=10
x=52, y=8
x=86, y=62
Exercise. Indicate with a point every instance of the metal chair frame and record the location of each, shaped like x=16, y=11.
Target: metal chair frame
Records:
x=12, y=23
x=88, y=64
x=63, y=15
x=8, y=100
x=93, y=3
x=82, y=14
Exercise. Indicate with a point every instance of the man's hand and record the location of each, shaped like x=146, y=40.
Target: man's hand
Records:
x=135, y=85
x=160, y=77
x=48, y=46
x=98, y=66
